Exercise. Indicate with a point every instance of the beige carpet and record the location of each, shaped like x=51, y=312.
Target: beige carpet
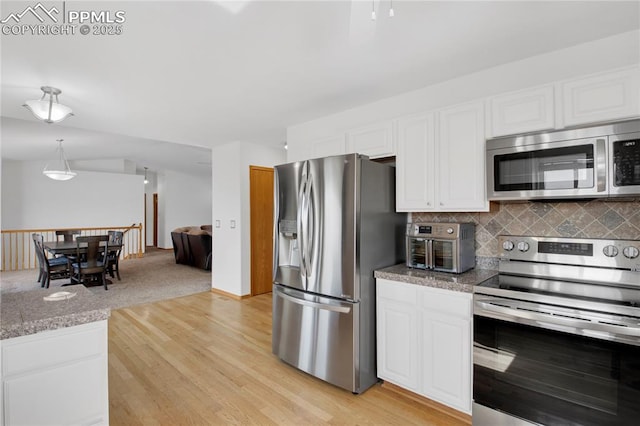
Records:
x=156, y=276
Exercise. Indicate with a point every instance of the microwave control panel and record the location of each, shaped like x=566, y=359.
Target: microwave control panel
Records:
x=626, y=162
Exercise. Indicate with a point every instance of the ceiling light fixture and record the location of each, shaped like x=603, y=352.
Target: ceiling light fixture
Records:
x=62, y=171
x=373, y=10
x=46, y=109
x=391, y=12
x=146, y=181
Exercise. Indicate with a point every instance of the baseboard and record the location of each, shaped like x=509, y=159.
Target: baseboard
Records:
x=428, y=402
x=229, y=295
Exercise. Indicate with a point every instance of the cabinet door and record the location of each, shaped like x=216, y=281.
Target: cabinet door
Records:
x=446, y=359
x=523, y=111
x=327, y=147
x=64, y=370
x=374, y=140
x=397, y=344
x=460, y=153
x=415, y=163
x=602, y=97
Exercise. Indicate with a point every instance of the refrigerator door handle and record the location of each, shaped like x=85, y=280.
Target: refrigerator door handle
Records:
x=332, y=308
x=309, y=217
x=276, y=222
x=301, y=223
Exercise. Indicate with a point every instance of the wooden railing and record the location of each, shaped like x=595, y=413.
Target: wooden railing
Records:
x=18, y=250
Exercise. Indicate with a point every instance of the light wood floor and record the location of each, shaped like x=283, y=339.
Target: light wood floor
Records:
x=206, y=359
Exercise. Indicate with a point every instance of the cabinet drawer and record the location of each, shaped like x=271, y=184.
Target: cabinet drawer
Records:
x=446, y=301
x=393, y=290
x=52, y=348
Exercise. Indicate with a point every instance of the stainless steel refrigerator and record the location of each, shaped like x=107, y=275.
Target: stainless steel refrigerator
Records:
x=334, y=224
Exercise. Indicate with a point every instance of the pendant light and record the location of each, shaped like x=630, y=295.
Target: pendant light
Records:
x=60, y=169
x=146, y=181
x=46, y=109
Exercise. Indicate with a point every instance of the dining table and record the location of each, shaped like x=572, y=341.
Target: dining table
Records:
x=70, y=248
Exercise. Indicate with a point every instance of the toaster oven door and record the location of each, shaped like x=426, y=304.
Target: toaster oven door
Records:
x=444, y=255
x=419, y=252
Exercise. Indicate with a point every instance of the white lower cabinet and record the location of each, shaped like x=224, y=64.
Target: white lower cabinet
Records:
x=56, y=377
x=396, y=336
x=424, y=341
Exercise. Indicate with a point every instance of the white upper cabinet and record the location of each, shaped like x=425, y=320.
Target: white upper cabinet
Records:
x=460, y=159
x=602, y=97
x=415, y=163
x=327, y=147
x=442, y=169
x=523, y=111
x=375, y=140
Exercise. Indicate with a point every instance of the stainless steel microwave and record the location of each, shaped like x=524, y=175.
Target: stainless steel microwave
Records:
x=592, y=162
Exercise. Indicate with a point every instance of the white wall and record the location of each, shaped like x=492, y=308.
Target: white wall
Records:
x=105, y=165
x=183, y=200
x=600, y=55
x=232, y=246
x=30, y=200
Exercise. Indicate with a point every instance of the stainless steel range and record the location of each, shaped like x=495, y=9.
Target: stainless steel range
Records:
x=557, y=334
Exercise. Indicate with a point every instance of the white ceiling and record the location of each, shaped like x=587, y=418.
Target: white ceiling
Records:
x=204, y=73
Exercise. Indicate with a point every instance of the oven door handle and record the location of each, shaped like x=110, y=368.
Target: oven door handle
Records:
x=559, y=322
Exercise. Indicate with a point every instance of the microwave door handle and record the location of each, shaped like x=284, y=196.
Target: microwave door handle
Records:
x=601, y=165
x=429, y=257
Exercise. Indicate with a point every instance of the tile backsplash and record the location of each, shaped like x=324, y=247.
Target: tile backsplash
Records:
x=608, y=218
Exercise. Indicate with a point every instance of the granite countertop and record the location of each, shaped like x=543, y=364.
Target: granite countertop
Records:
x=457, y=282
x=24, y=313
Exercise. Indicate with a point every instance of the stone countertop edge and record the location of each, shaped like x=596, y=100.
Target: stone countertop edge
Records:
x=26, y=313
x=457, y=282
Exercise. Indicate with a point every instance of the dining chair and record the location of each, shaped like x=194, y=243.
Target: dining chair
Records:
x=113, y=257
x=50, y=269
x=94, y=264
x=67, y=234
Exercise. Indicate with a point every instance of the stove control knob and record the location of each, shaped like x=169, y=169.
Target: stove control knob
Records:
x=449, y=230
x=523, y=246
x=610, y=251
x=507, y=245
x=630, y=252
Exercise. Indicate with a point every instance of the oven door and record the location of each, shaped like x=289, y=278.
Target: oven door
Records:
x=552, y=377
x=576, y=168
x=624, y=172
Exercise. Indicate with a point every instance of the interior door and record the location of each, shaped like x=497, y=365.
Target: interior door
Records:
x=261, y=206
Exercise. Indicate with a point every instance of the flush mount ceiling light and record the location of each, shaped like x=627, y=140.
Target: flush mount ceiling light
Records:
x=60, y=169
x=46, y=109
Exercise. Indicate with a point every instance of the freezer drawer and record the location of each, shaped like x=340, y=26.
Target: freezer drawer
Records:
x=317, y=335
